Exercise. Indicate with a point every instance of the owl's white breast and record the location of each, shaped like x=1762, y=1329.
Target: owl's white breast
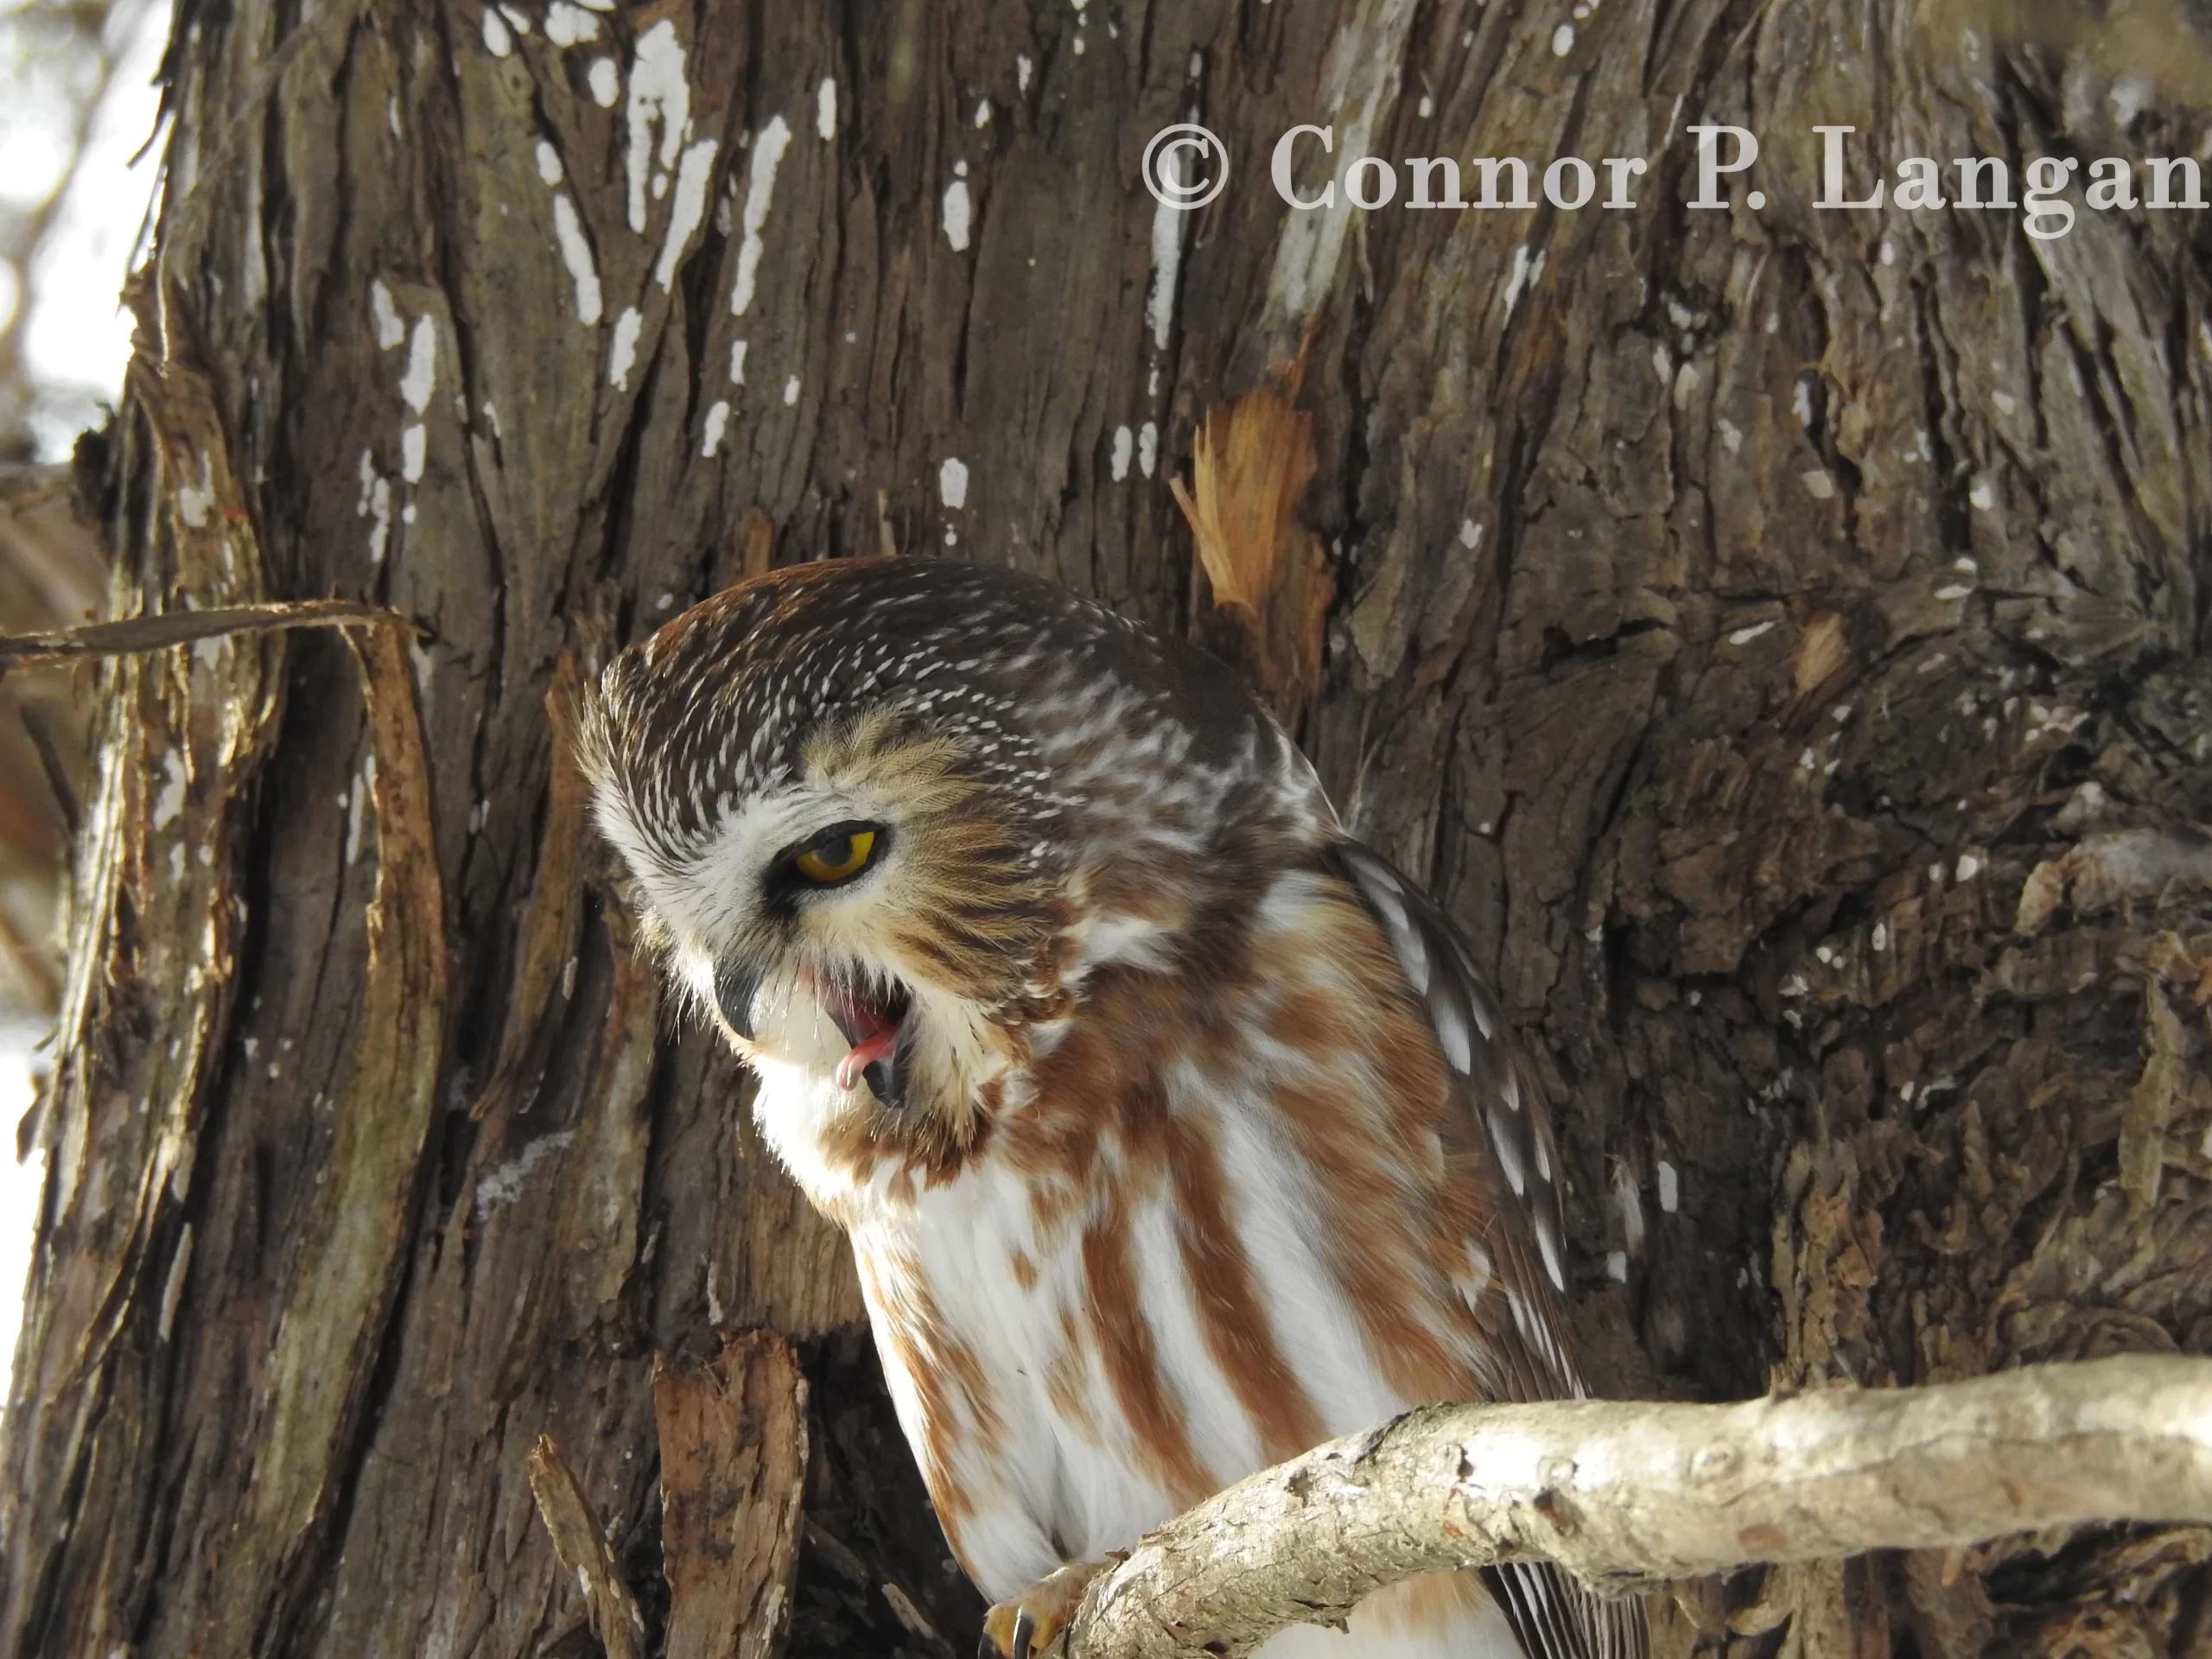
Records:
x=1042, y=1482
x=1025, y=1392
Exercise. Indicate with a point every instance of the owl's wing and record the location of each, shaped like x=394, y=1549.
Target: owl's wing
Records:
x=1521, y=1315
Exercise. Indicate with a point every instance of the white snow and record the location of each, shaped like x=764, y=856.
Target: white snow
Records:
x=1521, y=276
x=421, y=376
x=768, y=147
x=575, y=253
x=170, y=801
x=956, y=213
x=691, y=176
x=1166, y=260
x=194, y=500
x=660, y=97
x=622, y=355
x=390, y=330
x=569, y=25
x=381, y=520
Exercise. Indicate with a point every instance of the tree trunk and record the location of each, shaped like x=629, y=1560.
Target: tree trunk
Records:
x=1777, y=635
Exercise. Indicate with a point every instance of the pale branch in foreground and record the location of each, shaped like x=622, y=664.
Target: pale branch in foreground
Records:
x=1629, y=1493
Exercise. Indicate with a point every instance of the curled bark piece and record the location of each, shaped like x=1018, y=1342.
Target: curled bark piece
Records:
x=2103, y=872
x=583, y=1549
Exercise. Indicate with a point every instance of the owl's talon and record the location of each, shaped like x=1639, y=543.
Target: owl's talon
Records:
x=1032, y=1623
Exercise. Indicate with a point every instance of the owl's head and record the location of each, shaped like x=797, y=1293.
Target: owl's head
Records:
x=886, y=814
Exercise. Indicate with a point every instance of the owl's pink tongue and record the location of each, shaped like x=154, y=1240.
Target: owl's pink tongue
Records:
x=873, y=1030
x=873, y=1037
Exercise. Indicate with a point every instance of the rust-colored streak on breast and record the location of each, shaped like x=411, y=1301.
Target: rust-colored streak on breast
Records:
x=967, y=1369
x=1097, y=1084
x=906, y=1343
x=1238, y=1332
x=1362, y=1142
x=1066, y=1379
x=1155, y=1417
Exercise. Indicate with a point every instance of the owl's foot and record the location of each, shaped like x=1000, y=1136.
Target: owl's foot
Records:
x=1032, y=1621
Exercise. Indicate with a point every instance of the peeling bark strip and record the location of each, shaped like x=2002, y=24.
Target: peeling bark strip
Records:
x=581, y=1546
x=335, y=1310
x=733, y=1475
x=1249, y=466
x=1628, y=1493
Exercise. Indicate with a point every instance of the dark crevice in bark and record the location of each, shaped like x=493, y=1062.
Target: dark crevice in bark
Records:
x=1938, y=381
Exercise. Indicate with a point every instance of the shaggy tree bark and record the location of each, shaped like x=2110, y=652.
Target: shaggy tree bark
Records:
x=1777, y=634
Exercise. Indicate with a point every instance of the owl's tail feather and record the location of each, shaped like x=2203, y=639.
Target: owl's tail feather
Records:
x=1556, y=1618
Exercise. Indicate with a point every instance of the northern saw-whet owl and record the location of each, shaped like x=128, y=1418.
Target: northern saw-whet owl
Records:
x=1175, y=1132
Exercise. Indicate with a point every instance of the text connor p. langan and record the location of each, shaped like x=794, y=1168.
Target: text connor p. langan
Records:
x=1570, y=182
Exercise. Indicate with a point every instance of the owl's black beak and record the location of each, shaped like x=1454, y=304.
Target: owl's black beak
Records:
x=734, y=985
x=887, y=1078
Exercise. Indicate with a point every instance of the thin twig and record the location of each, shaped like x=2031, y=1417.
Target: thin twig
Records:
x=160, y=632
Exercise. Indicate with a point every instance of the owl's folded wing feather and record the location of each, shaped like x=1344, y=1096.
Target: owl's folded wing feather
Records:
x=1520, y=1316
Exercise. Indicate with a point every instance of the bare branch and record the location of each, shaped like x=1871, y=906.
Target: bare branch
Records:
x=1629, y=1493
x=160, y=631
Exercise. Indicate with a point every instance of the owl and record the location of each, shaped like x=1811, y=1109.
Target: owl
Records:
x=1175, y=1130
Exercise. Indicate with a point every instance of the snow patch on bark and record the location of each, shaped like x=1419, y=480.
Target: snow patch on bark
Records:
x=660, y=97
x=768, y=148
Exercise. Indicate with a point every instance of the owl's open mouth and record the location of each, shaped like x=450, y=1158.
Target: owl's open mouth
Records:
x=877, y=1023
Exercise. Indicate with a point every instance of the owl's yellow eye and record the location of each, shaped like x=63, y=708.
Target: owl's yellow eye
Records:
x=838, y=856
